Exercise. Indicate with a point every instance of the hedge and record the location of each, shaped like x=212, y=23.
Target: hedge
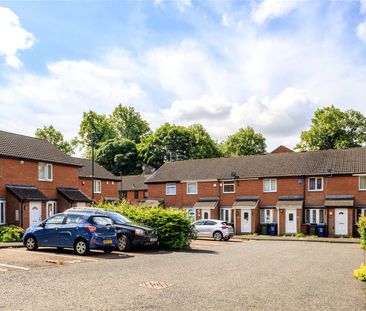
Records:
x=174, y=227
x=11, y=233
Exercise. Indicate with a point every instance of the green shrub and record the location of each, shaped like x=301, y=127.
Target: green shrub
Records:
x=300, y=235
x=360, y=273
x=362, y=231
x=174, y=227
x=11, y=233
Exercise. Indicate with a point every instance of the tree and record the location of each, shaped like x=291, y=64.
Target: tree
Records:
x=56, y=138
x=100, y=125
x=245, y=142
x=169, y=142
x=119, y=155
x=203, y=146
x=128, y=123
x=332, y=128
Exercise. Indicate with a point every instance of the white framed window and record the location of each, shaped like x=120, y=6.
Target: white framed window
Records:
x=2, y=212
x=314, y=216
x=171, y=189
x=267, y=216
x=45, y=171
x=315, y=183
x=51, y=208
x=361, y=182
x=270, y=185
x=191, y=188
x=97, y=186
x=229, y=187
x=226, y=215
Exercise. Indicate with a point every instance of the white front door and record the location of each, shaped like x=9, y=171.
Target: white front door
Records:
x=246, y=221
x=341, y=221
x=35, y=213
x=291, y=221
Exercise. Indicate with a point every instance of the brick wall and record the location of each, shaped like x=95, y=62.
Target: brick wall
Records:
x=109, y=189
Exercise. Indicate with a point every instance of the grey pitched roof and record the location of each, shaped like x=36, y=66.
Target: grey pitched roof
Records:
x=31, y=148
x=73, y=194
x=99, y=171
x=25, y=192
x=134, y=182
x=315, y=163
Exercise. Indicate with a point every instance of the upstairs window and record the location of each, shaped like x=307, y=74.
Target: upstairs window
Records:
x=192, y=188
x=229, y=187
x=315, y=183
x=45, y=171
x=171, y=189
x=270, y=185
x=362, y=182
x=97, y=186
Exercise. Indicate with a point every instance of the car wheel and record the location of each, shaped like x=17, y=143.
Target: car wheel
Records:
x=217, y=236
x=31, y=243
x=81, y=247
x=108, y=250
x=124, y=243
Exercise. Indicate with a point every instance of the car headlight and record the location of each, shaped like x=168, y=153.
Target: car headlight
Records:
x=139, y=232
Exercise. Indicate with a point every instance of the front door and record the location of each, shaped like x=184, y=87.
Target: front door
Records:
x=290, y=221
x=205, y=214
x=35, y=213
x=341, y=221
x=246, y=221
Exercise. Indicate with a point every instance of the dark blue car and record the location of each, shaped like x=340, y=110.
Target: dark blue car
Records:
x=80, y=231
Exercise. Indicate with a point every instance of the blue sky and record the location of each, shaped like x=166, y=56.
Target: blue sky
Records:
x=226, y=64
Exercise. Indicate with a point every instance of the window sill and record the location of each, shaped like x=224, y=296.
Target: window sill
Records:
x=269, y=191
x=316, y=190
x=170, y=194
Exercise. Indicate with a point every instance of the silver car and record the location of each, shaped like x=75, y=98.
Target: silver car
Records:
x=213, y=228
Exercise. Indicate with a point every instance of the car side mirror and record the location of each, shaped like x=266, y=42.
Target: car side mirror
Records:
x=42, y=224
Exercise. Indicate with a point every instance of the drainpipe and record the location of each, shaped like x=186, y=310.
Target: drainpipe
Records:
x=304, y=196
x=219, y=195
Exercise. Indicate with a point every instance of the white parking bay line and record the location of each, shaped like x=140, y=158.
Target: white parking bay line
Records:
x=53, y=254
x=15, y=267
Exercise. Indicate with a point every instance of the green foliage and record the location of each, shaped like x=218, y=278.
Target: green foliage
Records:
x=174, y=227
x=332, y=128
x=360, y=273
x=11, y=233
x=203, y=145
x=55, y=137
x=245, y=142
x=119, y=155
x=100, y=125
x=167, y=142
x=128, y=123
x=362, y=231
x=300, y=235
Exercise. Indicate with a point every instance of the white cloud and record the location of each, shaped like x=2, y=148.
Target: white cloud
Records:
x=13, y=37
x=361, y=31
x=362, y=6
x=183, y=4
x=269, y=9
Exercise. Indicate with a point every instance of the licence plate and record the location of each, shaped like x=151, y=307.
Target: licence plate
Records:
x=107, y=241
x=153, y=239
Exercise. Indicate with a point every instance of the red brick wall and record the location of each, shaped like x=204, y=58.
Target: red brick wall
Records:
x=109, y=189
x=131, y=196
x=12, y=171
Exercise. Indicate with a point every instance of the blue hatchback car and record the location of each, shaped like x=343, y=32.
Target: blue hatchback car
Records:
x=80, y=231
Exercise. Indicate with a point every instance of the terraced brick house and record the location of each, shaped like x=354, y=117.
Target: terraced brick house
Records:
x=38, y=180
x=294, y=190
x=134, y=189
x=105, y=183
x=35, y=178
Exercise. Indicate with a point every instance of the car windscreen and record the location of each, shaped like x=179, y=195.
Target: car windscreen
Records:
x=118, y=218
x=100, y=220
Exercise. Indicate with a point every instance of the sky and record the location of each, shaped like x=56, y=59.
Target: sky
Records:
x=268, y=64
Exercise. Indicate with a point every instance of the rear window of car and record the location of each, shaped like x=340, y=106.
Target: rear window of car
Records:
x=98, y=220
x=74, y=219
